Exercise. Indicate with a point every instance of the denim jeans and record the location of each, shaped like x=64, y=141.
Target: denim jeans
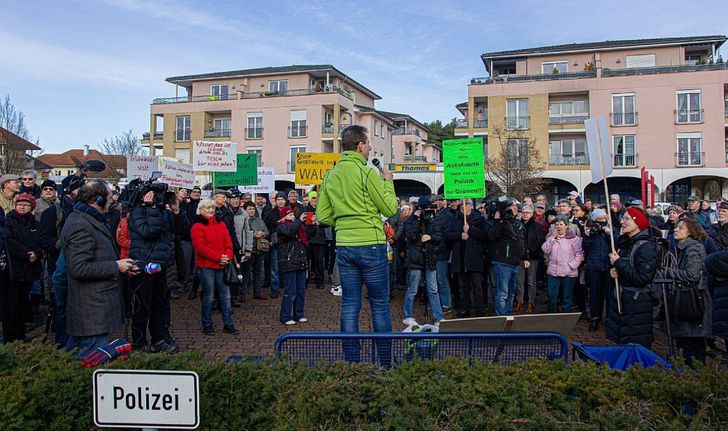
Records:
x=275, y=283
x=85, y=344
x=505, y=287
x=59, y=279
x=365, y=264
x=527, y=279
x=413, y=282
x=443, y=283
x=560, y=288
x=294, y=295
x=212, y=279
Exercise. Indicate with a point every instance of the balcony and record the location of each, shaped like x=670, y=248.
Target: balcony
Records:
x=187, y=99
x=623, y=119
x=254, y=133
x=237, y=96
x=461, y=124
x=517, y=123
x=297, y=131
x=663, y=69
x=502, y=79
x=329, y=128
x=683, y=116
x=568, y=160
x=689, y=159
x=403, y=131
x=158, y=136
x=625, y=161
x=574, y=119
x=483, y=124
x=217, y=133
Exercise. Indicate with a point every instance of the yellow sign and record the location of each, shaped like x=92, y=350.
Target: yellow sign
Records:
x=415, y=167
x=311, y=167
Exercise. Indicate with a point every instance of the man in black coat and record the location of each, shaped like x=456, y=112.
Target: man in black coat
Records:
x=534, y=238
x=721, y=228
x=271, y=219
x=509, y=251
x=717, y=266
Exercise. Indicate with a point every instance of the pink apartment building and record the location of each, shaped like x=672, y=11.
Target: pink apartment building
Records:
x=664, y=100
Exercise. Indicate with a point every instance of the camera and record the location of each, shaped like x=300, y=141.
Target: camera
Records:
x=503, y=205
x=134, y=192
x=595, y=228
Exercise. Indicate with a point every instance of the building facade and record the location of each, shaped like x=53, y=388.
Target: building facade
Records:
x=664, y=101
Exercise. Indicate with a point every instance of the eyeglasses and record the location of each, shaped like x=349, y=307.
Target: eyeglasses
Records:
x=29, y=179
x=45, y=189
x=23, y=204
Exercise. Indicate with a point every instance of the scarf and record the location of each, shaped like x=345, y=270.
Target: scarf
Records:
x=93, y=212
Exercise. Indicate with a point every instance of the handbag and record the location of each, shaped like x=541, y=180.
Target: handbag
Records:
x=688, y=303
x=233, y=276
x=262, y=245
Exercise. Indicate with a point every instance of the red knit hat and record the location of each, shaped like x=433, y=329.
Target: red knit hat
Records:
x=638, y=218
x=26, y=197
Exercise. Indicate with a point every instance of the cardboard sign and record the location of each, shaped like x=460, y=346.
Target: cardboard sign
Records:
x=215, y=156
x=177, y=174
x=141, y=167
x=245, y=175
x=597, y=141
x=464, y=168
x=311, y=167
x=266, y=181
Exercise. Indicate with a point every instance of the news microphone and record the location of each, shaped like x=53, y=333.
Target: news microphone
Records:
x=377, y=164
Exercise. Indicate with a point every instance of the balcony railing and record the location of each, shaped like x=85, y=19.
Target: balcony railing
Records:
x=187, y=99
x=623, y=118
x=403, y=131
x=683, y=116
x=568, y=160
x=542, y=77
x=254, y=133
x=481, y=123
x=157, y=136
x=235, y=96
x=517, y=123
x=217, y=133
x=329, y=128
x=461, y=124
x=663, y=69
x=625, y=161
x=689, y=158
x=574, y=119
x=297, y=132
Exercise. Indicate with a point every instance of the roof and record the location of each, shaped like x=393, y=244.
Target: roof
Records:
x=20, y=143
x=368, y=110
x=607, y=44
x=186, y=80
x=75, y=158
x=395, y=116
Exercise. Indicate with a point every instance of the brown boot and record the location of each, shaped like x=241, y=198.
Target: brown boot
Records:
x=529, y=308
x=517, y=307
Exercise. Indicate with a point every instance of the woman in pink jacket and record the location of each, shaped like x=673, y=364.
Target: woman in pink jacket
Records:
x=564, y=252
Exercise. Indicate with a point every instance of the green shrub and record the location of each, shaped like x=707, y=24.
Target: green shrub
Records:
x=41, y=388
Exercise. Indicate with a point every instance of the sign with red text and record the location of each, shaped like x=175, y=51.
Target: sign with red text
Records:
x=177, y=174
x=141, y=167
x=215, y=156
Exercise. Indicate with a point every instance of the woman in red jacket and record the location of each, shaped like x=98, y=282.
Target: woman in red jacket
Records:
x=213, y=250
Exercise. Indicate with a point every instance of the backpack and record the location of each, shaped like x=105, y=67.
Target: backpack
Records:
x=665, y=259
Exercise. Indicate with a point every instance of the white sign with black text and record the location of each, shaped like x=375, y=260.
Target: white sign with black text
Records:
x=146, y=399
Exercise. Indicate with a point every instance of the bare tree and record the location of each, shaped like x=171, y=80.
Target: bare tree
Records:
x=13, y=158
x=127, y=144
x=13, y=119
x=515, y=165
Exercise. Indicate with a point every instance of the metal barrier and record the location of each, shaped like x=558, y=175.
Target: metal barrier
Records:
x=388, y=349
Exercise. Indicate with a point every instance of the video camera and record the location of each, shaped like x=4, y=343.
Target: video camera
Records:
x=136, y=190
x=502, y=204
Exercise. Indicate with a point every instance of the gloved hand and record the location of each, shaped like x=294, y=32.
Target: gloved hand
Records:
x=99, y=355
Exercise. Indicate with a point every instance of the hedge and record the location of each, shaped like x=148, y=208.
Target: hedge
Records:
x=41, y=388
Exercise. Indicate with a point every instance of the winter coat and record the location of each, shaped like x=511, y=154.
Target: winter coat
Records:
x=443, y=220
x=467, y=255
x=122, y=237
x=21, y=235
x=689, y=271
x=634, y=324
x=210, y=239
x=597, y=247
x=225, y=215
x=565, y=255
x=152, y=230
x=271, y=221
x=721, y=235
x=508, y=238
x=292, y=254
x=41, y=206
x=94, y=302
x=33, y=190
x=534, y=239
x=244, y=234
x=717, y=266
x=189, y=207
x=400, y=241
x=422, y=255
x=257, y=224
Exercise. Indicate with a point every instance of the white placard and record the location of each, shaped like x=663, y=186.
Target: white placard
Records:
x=146, y=399
x=141, y=167
x=177, y=174
x=597, y=133
x=215, y=156
x=266, y=181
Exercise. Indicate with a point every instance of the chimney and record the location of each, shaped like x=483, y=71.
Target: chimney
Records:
x=85, y=150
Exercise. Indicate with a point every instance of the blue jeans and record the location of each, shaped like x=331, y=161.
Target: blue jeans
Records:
x=560, y=287
x=294, y=295
x=60, y=286
x=212, y=279
x=505, y=287
x=443, y=283
x=85, y=344
x=413, y=282
x=366, y=264
x=275, y=284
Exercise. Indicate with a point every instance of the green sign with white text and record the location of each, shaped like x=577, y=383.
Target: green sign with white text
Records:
x=246, y=175
x=464, y=168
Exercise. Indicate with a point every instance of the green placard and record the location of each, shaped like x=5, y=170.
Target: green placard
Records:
x=246, y=175
x=464, y=168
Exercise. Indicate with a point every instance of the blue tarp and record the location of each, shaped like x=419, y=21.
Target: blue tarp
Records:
x=620, y=357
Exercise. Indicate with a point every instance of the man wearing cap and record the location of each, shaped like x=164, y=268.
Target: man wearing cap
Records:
x=721, y=227
x=695, y=211
x=574, y=197
x=48, y=198
x=28, y=185
x=244, y=235
x=10, y=185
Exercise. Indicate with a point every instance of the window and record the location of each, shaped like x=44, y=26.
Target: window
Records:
x=554, y=67
x=647, y=60
x=258, y=151
x=382, y=131
x=407, y=148
x=624, y=151
x=221, y=127
x=292, y=160
x=255, y=126
x=570, y=151
x=623, y=110
x=58, y=172
x=328, y=119
x=298, y=124
x=505, y=69
x=182, y=154
x=279, y=87
x=518, y=152
x=70, y=172
x=693, y=59
x=689, y=149
x=569, y=108
x=183, y=128
x=219, y=90
x=689, y=107
x=517, y=114
x=376, y=128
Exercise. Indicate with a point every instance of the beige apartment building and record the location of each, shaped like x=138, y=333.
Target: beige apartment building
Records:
x=664, y=101
x=277, y=112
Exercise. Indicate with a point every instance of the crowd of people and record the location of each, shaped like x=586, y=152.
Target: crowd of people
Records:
x=110, y=256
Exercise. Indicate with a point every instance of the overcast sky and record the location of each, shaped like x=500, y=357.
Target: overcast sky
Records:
x=82, y=70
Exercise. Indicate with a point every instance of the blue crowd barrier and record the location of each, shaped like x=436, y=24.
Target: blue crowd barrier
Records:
x=620, y=357
x=388, y=349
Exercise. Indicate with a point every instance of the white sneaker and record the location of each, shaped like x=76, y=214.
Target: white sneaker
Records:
x=410, y=321
x=302, y=320
x=290, y=322
x=336, y=290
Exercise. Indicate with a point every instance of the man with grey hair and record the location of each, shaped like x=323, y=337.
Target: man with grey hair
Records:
x=28, y=184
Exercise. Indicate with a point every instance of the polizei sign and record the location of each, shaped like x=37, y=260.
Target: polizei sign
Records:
x=146, y=399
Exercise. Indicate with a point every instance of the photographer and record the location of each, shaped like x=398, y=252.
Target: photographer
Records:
x=152, y=228
x=597, y=245
x=509, y=251
x=423, y=237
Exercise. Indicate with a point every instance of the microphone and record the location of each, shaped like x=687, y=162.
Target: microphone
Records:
x=377, y=164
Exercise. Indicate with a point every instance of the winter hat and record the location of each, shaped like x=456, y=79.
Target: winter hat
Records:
x=638, y=218
x=48, y=183
x=284, y=211
x=596, y=213
x=312, y=194
x=281, y=195
x=25, y=197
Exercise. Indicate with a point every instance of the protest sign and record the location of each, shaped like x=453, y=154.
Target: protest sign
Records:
x=245, y=175
x=266, y=181
x=311, y=167
x=141, y=167
x=600, y=155
x=177, y=174
x=215, y=156
x=464, y=168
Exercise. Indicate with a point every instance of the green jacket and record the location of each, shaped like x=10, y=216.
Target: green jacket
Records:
x=352, y=199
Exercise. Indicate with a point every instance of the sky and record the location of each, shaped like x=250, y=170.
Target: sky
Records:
x=83, y=70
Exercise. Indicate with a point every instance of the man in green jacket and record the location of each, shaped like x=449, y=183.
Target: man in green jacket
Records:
x=353, y=199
